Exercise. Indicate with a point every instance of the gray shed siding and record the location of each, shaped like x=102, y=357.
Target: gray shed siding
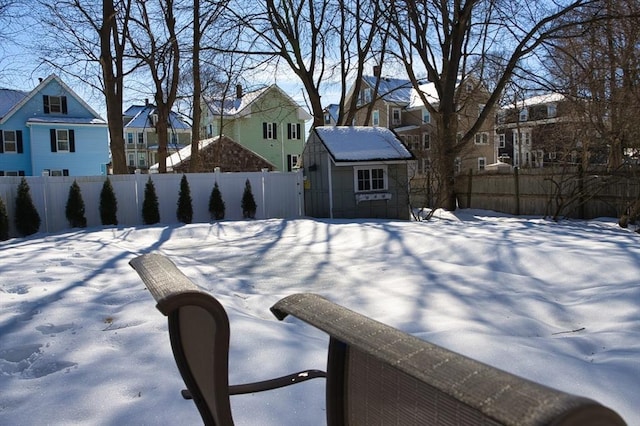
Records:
x=317, y=164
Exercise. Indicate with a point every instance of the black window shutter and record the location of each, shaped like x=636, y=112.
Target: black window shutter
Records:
x=45, y=101
x=1, y=143
x=21, y=173
x=264, y=130
x=275, y=133
x=65, y=172
x=54, y=142
x=288, y=130
x=19, y=141
x=298, y=134
x=64, y=104
x=72, y=141
x=288, y=162
x=1, y=172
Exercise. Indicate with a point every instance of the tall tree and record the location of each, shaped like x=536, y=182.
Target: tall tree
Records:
x=80, y=26
x=600, y=71
x=442, y=37
x=318, y=41
x=153, y=37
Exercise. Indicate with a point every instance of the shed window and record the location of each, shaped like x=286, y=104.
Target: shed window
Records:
x=370, y=178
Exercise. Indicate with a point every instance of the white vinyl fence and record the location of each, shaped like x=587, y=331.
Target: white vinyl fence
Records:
x=277, y=195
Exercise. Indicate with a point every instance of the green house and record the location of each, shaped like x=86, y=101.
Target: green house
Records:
x=266, y=121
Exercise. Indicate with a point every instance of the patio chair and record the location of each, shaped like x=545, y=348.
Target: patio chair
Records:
x=199, y=335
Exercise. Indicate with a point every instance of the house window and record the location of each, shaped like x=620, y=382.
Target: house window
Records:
x=132, y=160
x=62, y=141
x=482, y=138
x=141, y=159
x=292, y=162
x=426, y=116
x=375, y=118
x=55, y=104
x=55, y=172
x=480, y=109
x=130, y=138
x=327, y=118
x=501, y=117
x=396, y=117
x=366, y=95
x=293, y=131
x=9, y=141
x=426, y=141
x=482, y=162
x=526, y=138
x=426, y=165
x=370, y=178
x=457, y=165
x=552, y=110
x=174, y=139
x=501, y=140
x=269, y=131
x=524, y=114
x=141, y=138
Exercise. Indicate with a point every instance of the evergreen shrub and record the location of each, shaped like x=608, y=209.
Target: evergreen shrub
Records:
x=184, y=212
x=108, y=204
x=27, y=219
x=216, y=203
x=248, y=202
x=150, y=208
x=74, y=210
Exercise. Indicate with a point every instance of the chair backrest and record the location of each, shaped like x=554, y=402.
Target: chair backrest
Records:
x=378, y=375
x=199, y=334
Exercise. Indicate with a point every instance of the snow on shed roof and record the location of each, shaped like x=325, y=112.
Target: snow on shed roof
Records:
x=360, y=143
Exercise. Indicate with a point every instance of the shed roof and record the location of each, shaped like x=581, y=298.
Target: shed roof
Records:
x=362, y=143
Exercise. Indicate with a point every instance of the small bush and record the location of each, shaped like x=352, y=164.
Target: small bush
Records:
x=74, y=211
x=184, y=212
x=27, y=218
x=150, y=209
x=4, y=222
x=108, y=204
x=216, y=204
x=248, y=202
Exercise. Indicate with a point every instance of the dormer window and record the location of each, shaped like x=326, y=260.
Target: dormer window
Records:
x=552, y=110
x=426, y=116
x=154, y=119
x=524, y=114
x=54, y=104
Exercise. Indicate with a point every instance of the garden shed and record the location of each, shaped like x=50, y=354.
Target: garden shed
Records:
x=356, y=172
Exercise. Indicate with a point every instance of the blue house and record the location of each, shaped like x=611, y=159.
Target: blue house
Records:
x=51, y=131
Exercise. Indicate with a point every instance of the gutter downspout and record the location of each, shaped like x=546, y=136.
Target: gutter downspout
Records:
x=330, y=186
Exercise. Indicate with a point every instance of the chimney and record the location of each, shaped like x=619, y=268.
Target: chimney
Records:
x=238, y=91
x=376, y=70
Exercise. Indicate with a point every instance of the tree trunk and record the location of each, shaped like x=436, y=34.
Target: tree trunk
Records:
x=194, y=163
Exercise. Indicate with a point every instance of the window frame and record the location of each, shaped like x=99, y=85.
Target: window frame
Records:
x=59, y=140
x=5, y=150
x=375, y=118
x=426, y=141
x=374, y=182
x=502, y=140
x=523, y=114
x=483, y=138
x=426, y=116
x=482, y=163
x=396, y=116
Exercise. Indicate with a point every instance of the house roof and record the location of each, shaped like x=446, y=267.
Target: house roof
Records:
x=184, y=154
x=141, y=118
x=333, y=111
x=362, y=143
x=547, y=98
x=15, y=99
x=238, y=106
x=394, y=90
x=9, y=98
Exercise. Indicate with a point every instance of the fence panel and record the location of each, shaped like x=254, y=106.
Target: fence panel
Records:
x=277, y=195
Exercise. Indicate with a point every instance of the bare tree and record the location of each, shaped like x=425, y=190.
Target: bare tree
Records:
x=78, y=27
x=600, y=71
x=153, y=38
x=442, y=37
x=318, y=41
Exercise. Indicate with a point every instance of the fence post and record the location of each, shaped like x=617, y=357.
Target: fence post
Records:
x=469, y=188
x=516, y=175
x=264, y=198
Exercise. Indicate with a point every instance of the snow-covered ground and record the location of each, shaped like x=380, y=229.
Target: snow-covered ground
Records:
x=82, y=343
